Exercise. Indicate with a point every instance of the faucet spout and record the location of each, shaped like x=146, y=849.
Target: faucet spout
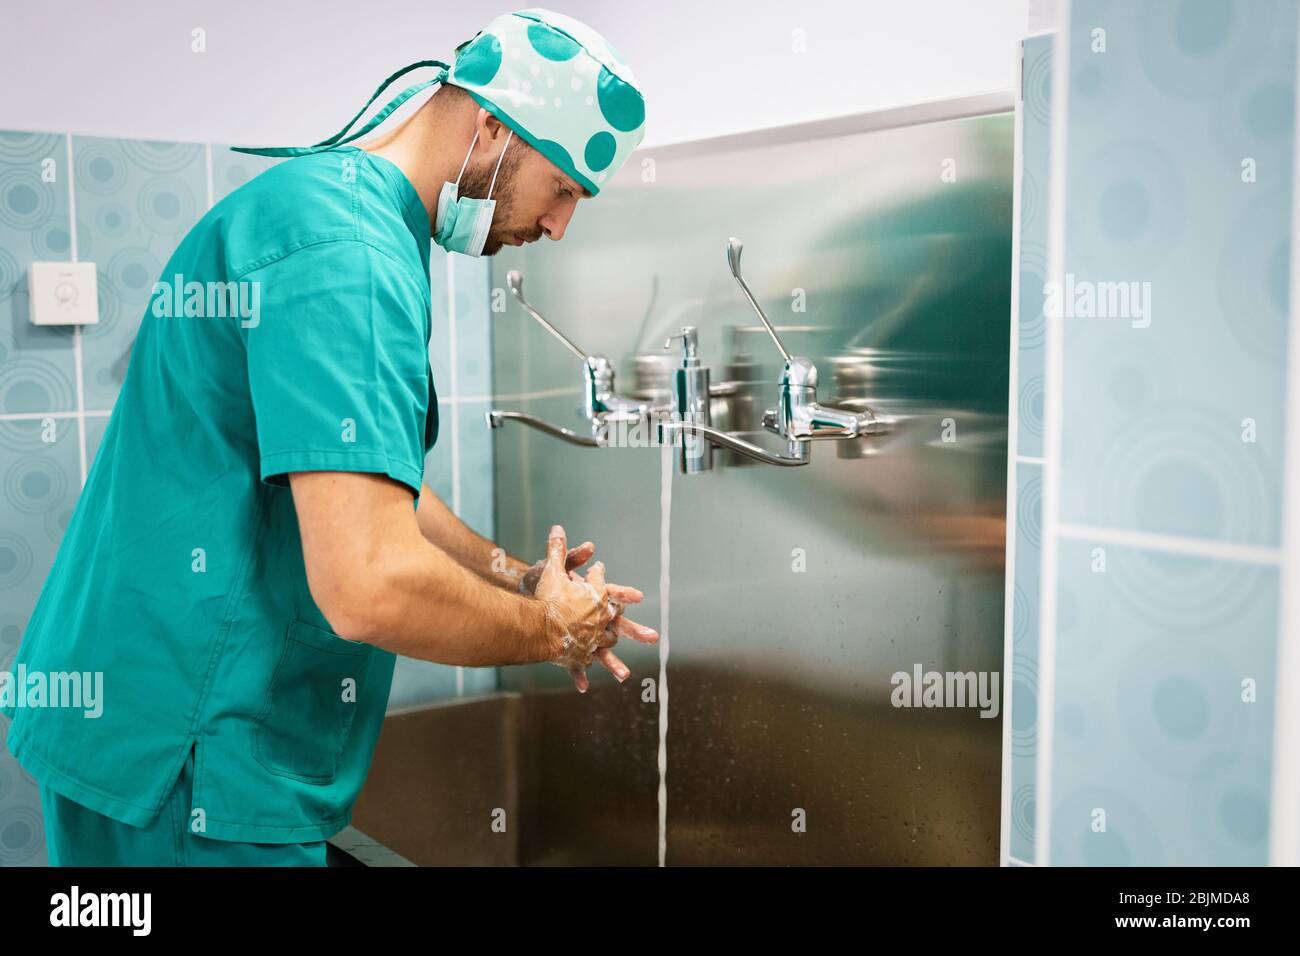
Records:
x=825, y=421
x=496, y=418
x=799, y=417
x=669, y=429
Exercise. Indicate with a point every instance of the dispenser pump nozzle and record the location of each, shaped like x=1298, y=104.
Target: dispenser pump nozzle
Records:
x=690, y=345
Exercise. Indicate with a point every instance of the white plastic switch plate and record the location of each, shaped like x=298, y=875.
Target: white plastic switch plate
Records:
x=63, y=293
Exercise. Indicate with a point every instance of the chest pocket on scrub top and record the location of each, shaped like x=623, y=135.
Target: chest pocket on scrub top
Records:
x=311, y=702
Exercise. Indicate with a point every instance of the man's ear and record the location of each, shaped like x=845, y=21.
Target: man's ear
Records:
x=489, y=127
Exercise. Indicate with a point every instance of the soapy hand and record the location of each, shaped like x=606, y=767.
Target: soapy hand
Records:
x=621, y=594
x=588, y=613
x=574, y=559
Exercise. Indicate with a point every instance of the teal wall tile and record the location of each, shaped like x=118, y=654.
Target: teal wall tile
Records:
x=1156, y=399
x=37, y=365
x=39, y=483
x=1163, y=687
x=476, y=500
x=135, y=199
x=473, y=327
x=22, y=829
x=419, y=682
x=1035, y=166
x=440, y=357
x=1156, y=656
x=480, y=680
x=437, y=464
x=231, y=170
x=1024, y=661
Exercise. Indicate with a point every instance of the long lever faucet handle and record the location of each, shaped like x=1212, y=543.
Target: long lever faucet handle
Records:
x=734, y=248
x=515, y=279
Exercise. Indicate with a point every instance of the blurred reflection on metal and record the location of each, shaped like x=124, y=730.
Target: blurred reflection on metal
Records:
x=797, y=592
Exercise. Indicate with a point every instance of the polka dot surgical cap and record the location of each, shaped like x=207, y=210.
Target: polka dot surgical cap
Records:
x=558, y=84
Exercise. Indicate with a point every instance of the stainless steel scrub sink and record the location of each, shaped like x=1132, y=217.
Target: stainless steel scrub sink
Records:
x=552, y=777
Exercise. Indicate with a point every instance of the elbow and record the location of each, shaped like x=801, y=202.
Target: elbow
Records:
x=352, y=625
x=354, y=605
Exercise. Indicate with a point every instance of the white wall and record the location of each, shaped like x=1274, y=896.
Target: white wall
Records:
x=292, y=71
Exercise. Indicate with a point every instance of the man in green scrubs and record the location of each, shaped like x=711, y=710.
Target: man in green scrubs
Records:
x=255, y=542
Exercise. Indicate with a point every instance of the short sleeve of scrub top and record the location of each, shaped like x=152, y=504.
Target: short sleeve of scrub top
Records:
x=338, y=363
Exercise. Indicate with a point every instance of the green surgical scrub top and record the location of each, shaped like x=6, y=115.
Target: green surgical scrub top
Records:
x=180, y=578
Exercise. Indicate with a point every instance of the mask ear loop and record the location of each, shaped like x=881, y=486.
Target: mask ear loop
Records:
x=468, y=153
x=485, y=225
x=492, y=184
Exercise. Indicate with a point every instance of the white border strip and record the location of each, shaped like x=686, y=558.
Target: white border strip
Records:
x=1284, y=818
x=893, y=117
x=39, y=416
x=1174, y=544
x=1013, y=443
x=1052, y=444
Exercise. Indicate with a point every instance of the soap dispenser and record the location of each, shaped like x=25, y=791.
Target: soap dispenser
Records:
x=690, y=402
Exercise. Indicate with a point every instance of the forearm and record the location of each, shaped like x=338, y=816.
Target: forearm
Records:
x=427, y=605
x=485, y=558
x=376, y=579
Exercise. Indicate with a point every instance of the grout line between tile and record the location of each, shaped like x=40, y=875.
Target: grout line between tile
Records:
x=1173, y=544
x=1013, y=460
x=1053, y=418
x=77, y=367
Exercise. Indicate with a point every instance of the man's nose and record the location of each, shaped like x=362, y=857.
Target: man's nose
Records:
x=554, y=223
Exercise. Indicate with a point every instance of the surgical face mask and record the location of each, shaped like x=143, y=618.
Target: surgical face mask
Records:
x=462, y=224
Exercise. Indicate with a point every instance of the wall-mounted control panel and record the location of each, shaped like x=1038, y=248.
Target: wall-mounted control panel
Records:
x=63, y=293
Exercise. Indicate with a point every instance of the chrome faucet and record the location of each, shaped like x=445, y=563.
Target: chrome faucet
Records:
x=602, y=406
x=797, y=417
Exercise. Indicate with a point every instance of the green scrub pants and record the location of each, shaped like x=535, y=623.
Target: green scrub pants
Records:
x=78, y=836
